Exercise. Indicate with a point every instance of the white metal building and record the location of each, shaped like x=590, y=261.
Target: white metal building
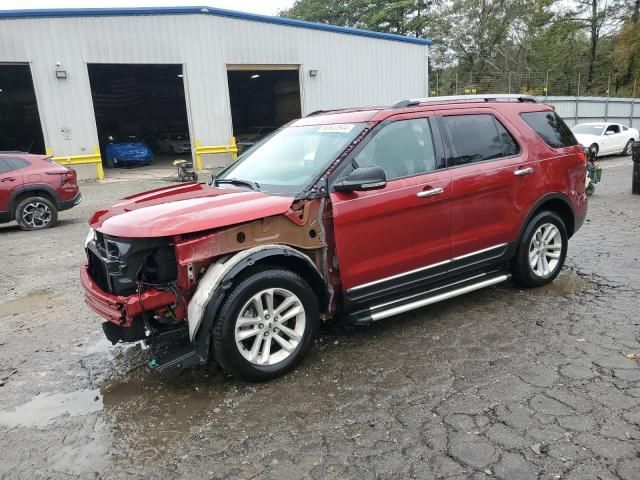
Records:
x=334, y=66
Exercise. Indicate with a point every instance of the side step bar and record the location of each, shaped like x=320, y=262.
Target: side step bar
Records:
x=385, y=310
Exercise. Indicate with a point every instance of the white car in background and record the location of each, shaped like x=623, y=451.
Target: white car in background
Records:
x=174, y=143
x=606, y=138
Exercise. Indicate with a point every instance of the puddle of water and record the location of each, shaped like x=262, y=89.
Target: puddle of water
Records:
x=150, y=412
x=44, y=408
x=566, y=284
x=29, y=303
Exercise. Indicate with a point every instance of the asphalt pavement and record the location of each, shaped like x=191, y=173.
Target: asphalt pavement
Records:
x=501, y=383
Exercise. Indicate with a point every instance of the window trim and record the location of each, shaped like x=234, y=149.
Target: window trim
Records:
x=495, y=119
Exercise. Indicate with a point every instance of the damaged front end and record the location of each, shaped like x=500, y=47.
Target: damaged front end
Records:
x=157, y=289
x=132, y=283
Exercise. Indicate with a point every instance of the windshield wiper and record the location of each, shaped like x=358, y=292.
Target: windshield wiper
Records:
x=236, y=181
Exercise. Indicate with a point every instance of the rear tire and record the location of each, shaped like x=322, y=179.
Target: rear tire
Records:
x=542, y=251
x=594, y=149
x=36, y=213
x=266, y=325
x=627, y=149
x=590, y=189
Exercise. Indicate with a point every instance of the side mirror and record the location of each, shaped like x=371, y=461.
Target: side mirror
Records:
x=362, y=179
x=609, y=132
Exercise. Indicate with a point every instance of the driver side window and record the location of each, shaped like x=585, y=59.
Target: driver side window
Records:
x=402, y=149
x=612, y=129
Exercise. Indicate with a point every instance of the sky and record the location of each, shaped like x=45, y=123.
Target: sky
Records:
x=265, y=7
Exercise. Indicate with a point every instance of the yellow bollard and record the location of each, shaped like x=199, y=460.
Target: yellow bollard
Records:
x=234, y=154
x=99, y=169
x=198, y=156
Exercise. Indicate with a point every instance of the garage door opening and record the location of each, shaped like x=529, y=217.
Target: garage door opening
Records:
x=20, y=127
x=141, y=114
x=262, y=100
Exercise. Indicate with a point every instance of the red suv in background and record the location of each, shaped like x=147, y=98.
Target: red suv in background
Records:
x=33, y=189
x=362, y=213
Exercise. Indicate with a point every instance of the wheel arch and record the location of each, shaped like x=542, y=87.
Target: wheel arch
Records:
x=36, y=190
x=555, y=202
x=222, y=275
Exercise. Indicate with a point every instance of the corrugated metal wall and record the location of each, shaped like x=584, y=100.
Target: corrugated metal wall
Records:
x=597, y=109
x=352, y=70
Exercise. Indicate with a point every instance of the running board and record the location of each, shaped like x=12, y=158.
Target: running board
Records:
x=435, y=295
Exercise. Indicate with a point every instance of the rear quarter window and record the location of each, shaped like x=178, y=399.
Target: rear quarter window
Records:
x=551, y=128
x=4, y=166
x=9, y=164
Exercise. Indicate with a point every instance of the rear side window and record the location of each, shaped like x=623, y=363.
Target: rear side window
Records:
x=551, y=128
x=11, y=164
x=476, y=138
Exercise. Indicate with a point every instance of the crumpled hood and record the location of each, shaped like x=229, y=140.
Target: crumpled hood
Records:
x=186, y=208
x=586, y=140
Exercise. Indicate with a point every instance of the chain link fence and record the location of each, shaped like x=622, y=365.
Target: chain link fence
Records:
x=538, y=83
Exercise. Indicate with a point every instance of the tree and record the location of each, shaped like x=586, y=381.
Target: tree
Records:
x=627, y=47
x=598, y=17
x=489, y=41
x=404, y=17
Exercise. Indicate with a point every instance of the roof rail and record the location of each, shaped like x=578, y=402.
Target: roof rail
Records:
x=317, y=112
x=465, y=98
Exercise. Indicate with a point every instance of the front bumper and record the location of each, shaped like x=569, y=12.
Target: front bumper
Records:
x=120, y=309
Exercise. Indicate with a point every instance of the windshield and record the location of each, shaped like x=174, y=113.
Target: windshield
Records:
x=584, y=129
x=289, y=160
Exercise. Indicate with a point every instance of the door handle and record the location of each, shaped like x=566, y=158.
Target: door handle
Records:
x=523, y=171
x=8, y=179
x=430, y=192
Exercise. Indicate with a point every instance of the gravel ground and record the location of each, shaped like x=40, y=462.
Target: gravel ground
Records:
x=502, y=383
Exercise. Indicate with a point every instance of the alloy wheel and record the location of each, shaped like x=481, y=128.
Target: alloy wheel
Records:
x=545, y=250
x=36, y=214
x=270, y=326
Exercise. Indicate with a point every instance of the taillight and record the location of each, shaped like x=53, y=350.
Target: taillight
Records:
x=69, y=177
x=582, y=156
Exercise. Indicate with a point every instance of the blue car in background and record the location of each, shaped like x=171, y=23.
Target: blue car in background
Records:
x=127, y=153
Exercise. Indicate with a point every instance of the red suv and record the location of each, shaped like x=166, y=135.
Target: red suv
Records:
x=33, y=189
x=361, y=213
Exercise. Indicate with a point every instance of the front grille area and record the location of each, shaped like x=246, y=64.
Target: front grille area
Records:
x=120, y=265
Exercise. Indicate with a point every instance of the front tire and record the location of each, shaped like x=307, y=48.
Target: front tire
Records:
x=542, y=251
x=266, y=325
x=36, y=213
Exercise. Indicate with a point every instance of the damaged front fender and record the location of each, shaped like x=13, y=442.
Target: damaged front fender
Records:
x=217, y=277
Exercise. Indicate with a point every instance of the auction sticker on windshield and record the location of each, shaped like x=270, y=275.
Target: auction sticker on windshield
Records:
x=337, y=128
